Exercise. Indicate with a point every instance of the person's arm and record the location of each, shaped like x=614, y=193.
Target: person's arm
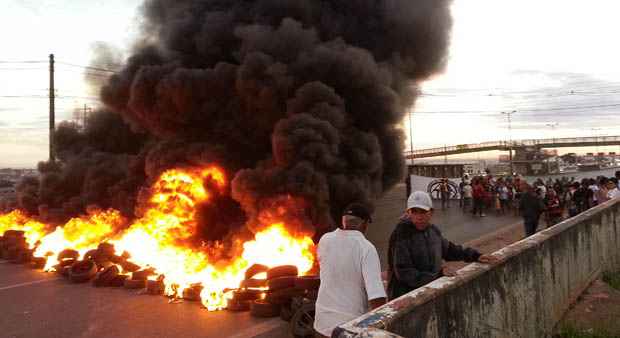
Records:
x=405, y=270
x=375, y=303
x=453, y=252
x=371, y=271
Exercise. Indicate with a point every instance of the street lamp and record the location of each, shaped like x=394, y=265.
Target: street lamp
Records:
x=508, y=117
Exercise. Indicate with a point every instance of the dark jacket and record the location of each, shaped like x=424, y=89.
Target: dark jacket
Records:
x=415, y=257
x=531, y=206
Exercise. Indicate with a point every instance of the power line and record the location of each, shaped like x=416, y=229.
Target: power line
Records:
x=88, y=67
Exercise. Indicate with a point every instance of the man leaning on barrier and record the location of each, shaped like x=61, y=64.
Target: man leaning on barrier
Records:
x=417, y=249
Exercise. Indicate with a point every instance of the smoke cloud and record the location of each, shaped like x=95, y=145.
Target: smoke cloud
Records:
x=300, y=101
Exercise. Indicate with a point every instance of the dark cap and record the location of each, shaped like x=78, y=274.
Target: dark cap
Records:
x=358, y=210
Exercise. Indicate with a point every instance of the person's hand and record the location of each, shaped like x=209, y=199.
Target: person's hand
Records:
x=448, y=271
x=488, y=259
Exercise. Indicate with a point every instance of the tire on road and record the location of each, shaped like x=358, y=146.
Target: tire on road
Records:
x=142, y=274
x=68, y=254
x=253, y=283
x=286, y=312
x=308, y=282
x=255, y=270
x=261, y=308
x=280, y=283
x=243, y=295
x=105, y=276
x=118, y=281
x=82, y=271
x=282, y=271
x=238, y=305
x=284, y=296
x=302, y=322
x=38, y=262
x=135, y=284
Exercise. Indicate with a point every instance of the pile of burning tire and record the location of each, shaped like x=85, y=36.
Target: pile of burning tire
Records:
x=280, y=293
x=265, y=292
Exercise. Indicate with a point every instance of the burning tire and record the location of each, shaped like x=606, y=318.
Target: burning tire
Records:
x=142, y=274
x=282, y=271
x=284, y=296
x=253, y=283
x=238, y=305
x=68, y=254
x=23, y=257
x=246, y=295
x=261, y=308
x=280, y=283
x=90, y=255
x=105, y=277
x=106, y=249
x=38, y=262
x=308, y=282
x=155, y=287
x=118, y=281
x=134, y=284
x=302, y=322
x=192, y=293
x=82, y=271
x=255, y=270
x=129, y=266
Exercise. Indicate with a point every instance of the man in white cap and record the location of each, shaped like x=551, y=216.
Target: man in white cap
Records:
x=350, y=272
x=417, y=249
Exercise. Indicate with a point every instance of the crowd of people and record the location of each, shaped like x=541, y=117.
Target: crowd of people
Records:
x=560, y=197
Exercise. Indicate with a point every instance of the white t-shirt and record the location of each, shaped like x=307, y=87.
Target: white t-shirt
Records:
x=350, y=276
x=467, y=191
x=613, y=193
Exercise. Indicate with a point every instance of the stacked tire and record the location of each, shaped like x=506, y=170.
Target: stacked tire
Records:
x=281, y=290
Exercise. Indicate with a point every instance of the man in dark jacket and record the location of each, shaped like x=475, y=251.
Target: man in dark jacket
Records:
x=531, y=207
x=417, y=249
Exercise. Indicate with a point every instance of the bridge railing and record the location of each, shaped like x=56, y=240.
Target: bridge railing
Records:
x=516, y=143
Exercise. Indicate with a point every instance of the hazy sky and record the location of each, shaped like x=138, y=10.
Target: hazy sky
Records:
x=553, y=61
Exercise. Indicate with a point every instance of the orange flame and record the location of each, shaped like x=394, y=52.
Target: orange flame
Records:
x=17, y=220
x=159, y=239
x=81, y=234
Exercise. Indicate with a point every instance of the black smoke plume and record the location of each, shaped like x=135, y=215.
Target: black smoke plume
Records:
x=298, y=100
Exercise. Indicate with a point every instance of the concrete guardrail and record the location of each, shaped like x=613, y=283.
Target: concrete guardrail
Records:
x=525, y=294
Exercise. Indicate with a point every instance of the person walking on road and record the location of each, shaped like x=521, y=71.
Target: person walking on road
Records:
x=531, y=207
x=444, y=190
x=350, y=273
x=417, y=249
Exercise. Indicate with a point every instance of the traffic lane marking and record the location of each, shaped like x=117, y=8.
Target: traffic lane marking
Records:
x=28, y=283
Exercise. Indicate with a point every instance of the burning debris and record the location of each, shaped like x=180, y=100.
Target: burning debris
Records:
x=156, y=250
x=232, y=137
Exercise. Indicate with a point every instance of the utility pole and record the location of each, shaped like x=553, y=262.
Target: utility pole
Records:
x=508, y=117
x=52, y=109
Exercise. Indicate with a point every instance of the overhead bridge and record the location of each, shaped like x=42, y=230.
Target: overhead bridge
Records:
x=516, y=144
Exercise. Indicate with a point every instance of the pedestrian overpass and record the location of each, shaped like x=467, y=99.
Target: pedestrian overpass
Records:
x=516, y=144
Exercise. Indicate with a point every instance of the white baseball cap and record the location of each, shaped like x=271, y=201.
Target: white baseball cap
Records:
x=419, y=199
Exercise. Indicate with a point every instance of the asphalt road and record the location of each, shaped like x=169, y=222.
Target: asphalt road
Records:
x=34, y=304
x=455, y=225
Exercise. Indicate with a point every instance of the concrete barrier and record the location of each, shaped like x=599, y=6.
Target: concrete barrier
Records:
x=525, y=294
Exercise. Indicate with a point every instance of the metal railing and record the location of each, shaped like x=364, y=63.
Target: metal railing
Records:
x=506, y=145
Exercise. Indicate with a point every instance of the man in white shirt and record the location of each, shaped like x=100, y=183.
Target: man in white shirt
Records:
x=350, y=272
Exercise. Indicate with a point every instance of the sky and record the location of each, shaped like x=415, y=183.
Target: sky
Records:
x=553, y=62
